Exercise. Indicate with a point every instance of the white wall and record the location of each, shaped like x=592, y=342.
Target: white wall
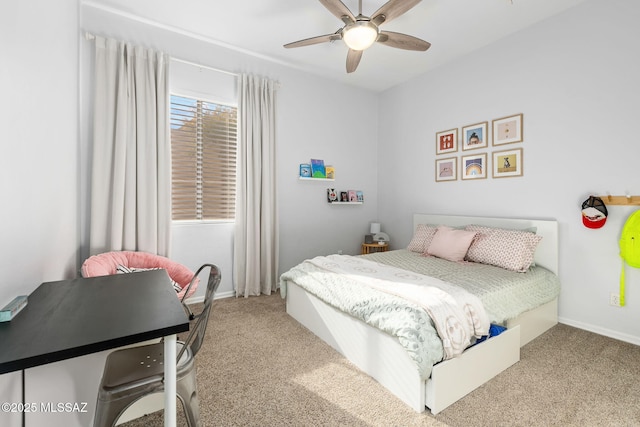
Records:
x=38, y=154
x=575, y=79
x=39, y=144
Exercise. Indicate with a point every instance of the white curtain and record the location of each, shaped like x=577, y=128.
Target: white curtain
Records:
x=256, y=232
x=131, y=169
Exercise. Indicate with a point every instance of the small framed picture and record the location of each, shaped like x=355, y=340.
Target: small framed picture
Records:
x=332, y=195
x=446, y=169
x=359, y=196
x=305, y=170
x=507, y=130
x=330, y=171
x=352, y=196
x=447, y=141
x=344, y=197
x=317, y=169
x=507, y=163
x=474, y=136
x=473, y=167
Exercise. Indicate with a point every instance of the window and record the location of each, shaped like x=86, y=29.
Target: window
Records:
x=203, y=165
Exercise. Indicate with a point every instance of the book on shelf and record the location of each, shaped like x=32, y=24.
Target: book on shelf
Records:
x=305, y=170
x=330, y=172
x=318, y=169
x=359, y=196
x=352, y=196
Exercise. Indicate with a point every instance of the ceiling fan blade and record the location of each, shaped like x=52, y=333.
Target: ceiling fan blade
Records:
x=402, y=41
x=392, y=9
x=314, y=40
x=353, y=59
x=338, y=9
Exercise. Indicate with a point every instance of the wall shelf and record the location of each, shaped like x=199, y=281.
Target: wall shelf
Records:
x=621, y=200
x=304, y=178
x=345, y=203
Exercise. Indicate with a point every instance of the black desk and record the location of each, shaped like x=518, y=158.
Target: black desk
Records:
x=71, y=318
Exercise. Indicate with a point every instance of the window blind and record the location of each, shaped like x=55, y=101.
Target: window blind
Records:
x=203, y=164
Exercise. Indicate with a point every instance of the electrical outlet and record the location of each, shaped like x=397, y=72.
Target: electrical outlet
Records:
x=614, y=299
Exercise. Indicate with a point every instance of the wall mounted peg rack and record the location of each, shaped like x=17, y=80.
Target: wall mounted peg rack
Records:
x=626, y=200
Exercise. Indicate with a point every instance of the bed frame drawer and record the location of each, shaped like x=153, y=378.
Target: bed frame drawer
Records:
x=452, y=379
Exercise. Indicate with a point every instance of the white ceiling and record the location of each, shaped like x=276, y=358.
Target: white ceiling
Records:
x=453, y=27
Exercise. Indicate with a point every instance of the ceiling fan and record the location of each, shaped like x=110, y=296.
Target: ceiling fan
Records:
x=360, y=32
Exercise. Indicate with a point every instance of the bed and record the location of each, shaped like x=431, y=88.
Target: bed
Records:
x=398, y=366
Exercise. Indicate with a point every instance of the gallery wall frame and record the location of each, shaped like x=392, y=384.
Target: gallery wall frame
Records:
x=503, y=164
x=474, y=136
x=473, y=166
x=447, y=141
x=507, y=163
x=507, y=130
x=447, y=169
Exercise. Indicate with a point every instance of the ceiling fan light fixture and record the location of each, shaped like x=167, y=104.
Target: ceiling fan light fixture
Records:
x=360, y=35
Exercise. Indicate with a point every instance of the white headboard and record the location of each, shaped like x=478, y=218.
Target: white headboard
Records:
x=547, y=252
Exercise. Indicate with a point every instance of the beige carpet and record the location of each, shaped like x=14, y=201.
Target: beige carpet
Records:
x=259, y=367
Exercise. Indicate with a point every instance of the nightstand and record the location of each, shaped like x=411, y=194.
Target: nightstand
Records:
x=370, y=248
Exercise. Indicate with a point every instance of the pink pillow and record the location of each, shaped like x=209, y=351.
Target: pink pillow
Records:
x=508, y=249
x=422, y=238
x=450, y=243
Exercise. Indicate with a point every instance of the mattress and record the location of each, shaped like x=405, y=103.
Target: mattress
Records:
x=505, y=294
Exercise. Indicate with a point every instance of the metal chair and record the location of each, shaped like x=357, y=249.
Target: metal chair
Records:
x=135, y=372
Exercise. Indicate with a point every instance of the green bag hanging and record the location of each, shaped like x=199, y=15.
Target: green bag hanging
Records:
x=629, y=247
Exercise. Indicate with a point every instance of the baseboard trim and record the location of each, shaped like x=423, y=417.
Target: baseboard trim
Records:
x=200, y=298
x=631, y=339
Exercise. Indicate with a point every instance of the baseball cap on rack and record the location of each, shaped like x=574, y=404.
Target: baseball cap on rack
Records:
x=594, y=212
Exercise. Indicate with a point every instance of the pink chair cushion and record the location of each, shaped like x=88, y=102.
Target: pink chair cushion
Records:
x=105, y=264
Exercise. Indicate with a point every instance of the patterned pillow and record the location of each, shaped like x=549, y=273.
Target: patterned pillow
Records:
x=508, y=249
x=422, y=238
x=450, y=243
x=121, y=269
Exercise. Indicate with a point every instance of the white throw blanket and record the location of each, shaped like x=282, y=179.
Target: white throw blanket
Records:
x=457, y=315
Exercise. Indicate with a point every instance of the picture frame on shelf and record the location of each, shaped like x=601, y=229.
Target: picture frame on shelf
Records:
x=332, y=195
x=446, y=169
x=507, y=163
x=473, y=166
x=305, y=170
x=507, y=130
x=447, y=141
x=344, y=196
x=359, y=196
x=317, y=169
x=474, y=136
x=330, y=172
x=352, y=196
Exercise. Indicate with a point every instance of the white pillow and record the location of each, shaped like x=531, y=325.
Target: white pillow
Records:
x=508, y=249
x=422, y=238
x=450, y=243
